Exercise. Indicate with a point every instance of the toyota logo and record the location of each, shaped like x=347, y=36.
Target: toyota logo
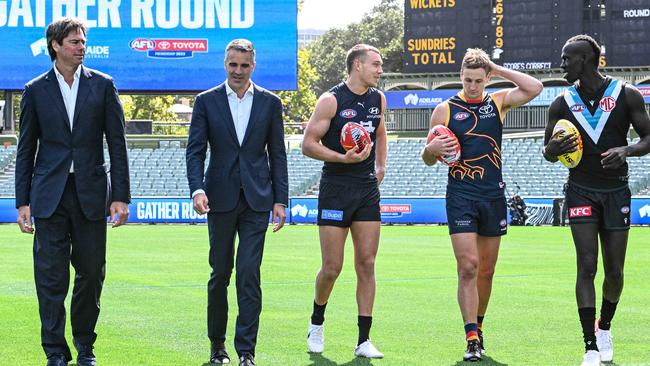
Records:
x=486, y=109
x=164, y=45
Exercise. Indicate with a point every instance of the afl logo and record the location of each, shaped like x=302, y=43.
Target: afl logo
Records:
x=142, y=44
x=461, y=116
x=373, y=110
x=486, y=109
x=607, y=104
x=625, y=210
x=348, y=113
x=578, y=108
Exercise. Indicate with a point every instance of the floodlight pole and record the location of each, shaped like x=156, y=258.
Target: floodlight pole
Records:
x=9, y=126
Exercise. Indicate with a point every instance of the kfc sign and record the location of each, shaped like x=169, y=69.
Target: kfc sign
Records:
x=581, y=211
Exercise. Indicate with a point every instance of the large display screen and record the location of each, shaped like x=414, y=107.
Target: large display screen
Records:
x=154, y=45
x=522, y=34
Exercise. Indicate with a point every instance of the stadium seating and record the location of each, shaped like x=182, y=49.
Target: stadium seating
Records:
x=524, y=170
x=160, y=171
x=7, y=162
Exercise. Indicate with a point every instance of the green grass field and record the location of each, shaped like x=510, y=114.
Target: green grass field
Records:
x=154, y=300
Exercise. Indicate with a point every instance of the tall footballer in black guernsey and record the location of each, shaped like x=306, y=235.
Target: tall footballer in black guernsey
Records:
x=597, y=193
x=348, y=200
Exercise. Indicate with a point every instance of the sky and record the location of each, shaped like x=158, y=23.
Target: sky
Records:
x=326, y=14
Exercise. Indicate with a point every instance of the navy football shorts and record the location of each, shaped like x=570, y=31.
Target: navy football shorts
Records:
x=487, y=218
x=341, y=204
x=610, y=209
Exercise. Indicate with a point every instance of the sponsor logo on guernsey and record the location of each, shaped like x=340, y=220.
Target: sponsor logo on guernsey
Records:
x=581, y=211
x=348, y=113
x=607, y=104
x=461, y=116
x=487, y=111
x=374, y=113
x=578, y=108
x=335, y=215
x=625, y=210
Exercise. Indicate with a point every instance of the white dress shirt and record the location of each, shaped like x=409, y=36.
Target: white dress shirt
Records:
x=69, y=94
x=240, y=109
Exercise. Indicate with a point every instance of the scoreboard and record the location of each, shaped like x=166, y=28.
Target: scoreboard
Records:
x=628, y=33
x=437, y=32
x=531, y=33
x=522, y=34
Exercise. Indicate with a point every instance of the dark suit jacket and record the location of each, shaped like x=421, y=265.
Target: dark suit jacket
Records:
x=259, y=165
x=47, y=147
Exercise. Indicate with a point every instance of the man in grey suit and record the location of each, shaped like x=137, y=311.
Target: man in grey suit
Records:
x=62, y=180
x=245, y=180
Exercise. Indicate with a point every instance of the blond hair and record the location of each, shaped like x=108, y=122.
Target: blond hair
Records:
x=476, y=58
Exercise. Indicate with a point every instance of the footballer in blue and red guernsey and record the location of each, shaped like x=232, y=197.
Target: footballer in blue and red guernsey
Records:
x=475, y=200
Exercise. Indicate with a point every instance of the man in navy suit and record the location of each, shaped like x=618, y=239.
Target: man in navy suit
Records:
x=62, y=180
x=245, y=180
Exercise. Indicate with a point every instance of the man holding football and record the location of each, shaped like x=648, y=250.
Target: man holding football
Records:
x=475, y=201
x=597, y=193
x=348, y=200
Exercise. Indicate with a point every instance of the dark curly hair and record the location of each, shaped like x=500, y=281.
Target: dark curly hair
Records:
x=592, y=43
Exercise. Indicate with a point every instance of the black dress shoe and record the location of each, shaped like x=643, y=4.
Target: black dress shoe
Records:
x=218, y=354
x=57, y=359
x=247, y=360
x=86, y=357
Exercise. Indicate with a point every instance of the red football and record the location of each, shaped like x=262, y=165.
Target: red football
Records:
x=354, y=135
x=442, y=130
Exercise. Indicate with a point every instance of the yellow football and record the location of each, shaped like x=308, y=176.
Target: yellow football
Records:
x=564, y=127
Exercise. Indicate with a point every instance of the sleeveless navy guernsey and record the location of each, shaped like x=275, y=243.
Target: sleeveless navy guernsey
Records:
x=603, y=123
x=478, y=127
x=365, y=110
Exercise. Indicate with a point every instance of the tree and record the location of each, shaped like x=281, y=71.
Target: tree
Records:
x=153, y=107
x=382, y=27
x=298, y=105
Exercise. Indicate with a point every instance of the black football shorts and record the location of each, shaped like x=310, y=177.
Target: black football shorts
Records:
x=341, y=204
x=610, y=209
x=487, y=218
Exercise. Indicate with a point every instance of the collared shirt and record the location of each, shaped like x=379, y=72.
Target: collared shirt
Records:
x=69, y=94
x=240, y=109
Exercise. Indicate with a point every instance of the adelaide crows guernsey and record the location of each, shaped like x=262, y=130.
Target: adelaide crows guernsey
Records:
x=478, y=127
x=603, y=123
x=363, y=109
